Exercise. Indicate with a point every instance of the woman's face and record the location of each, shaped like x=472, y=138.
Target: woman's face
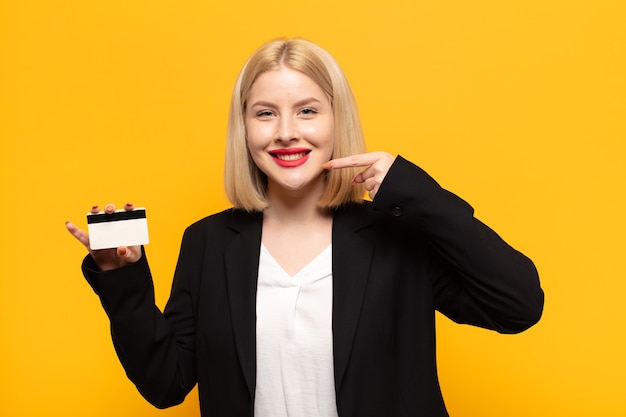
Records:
x=290, y=130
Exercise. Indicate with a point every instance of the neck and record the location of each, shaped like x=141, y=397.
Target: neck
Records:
x=295, y=206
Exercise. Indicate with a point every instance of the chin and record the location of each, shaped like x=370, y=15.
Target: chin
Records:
x=299, y=184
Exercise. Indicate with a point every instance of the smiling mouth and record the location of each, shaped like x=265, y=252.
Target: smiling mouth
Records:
x=289, y=156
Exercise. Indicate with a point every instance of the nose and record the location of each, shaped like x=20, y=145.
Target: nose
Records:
x=286, y=130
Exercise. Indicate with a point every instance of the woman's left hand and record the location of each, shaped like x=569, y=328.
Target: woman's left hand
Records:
x=377, y=163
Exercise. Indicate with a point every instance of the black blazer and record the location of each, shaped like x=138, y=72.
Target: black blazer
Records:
x=416, y=249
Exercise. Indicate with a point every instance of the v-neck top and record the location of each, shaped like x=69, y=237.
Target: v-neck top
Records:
x=295, y=375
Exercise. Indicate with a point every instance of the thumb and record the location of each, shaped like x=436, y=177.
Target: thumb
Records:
x=80, y=235
x=129, y=254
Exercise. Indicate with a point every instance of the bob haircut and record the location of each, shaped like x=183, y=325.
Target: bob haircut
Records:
x=245, y=183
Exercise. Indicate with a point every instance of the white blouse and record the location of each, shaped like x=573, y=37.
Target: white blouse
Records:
x=295, y=376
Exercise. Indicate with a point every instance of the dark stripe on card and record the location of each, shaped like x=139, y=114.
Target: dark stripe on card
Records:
x=117, y=216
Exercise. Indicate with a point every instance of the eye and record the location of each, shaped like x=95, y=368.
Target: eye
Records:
x=264, y=114
x=307, y=111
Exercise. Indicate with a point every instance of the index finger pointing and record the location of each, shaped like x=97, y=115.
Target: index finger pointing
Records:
x=359, y=160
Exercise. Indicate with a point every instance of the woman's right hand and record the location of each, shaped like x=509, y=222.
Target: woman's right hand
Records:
x=107, y=259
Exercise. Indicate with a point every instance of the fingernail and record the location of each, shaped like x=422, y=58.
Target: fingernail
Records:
x=129, y=205
x=327, y=165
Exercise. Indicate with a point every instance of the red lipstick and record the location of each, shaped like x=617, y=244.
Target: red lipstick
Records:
x=290, y=157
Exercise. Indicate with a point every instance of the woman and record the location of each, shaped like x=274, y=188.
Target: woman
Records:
x=304, y=300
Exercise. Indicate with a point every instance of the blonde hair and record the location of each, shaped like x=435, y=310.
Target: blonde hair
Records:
x=245, y=183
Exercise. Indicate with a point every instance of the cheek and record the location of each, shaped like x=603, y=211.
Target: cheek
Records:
x=258, y=136
x=330, y=139
x=323, y=133
x=256, y=154
x=331, y=149
x=256, y=151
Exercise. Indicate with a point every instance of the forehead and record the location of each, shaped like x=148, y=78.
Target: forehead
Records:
x=284, y=82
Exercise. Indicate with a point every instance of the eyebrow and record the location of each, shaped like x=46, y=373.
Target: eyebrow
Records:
x=299, y=103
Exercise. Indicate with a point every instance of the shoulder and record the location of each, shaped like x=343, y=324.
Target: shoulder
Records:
x=357, y=216
x=230, y=219
x=360, y=210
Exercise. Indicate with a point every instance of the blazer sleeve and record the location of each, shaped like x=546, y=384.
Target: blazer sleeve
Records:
x=156, y=351
x=477, y=277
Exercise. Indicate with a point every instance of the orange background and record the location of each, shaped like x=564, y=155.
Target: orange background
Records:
x=517, y=106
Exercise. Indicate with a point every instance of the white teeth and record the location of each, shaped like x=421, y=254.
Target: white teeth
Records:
x=290, y=157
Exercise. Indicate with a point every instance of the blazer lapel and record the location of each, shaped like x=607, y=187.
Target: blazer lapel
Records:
x=352, y=256
x=242, y=265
